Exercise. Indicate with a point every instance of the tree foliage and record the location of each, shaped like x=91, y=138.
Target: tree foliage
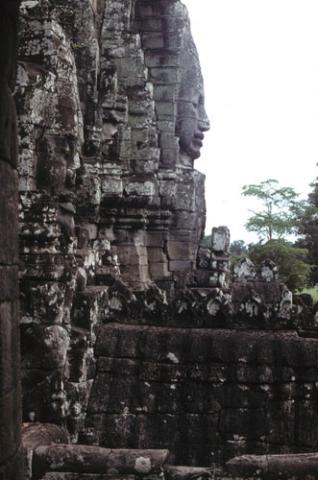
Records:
x=280, y=213
x=309, y=230
x=294, y=271
x=238, y=248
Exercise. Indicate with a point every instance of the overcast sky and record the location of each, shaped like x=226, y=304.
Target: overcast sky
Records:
x=260, y=63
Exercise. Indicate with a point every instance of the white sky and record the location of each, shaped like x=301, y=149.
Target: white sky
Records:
x=260, y=63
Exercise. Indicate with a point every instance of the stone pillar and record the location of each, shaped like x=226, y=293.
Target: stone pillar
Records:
x=10, y=410
x=213, y=269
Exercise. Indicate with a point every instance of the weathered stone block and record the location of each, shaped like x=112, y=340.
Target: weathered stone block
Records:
x=161, y=59
x=36, y=434
x=244, y=422
x=306, y=435
x=159, y=270
x=168, y=158
x=180, y=265
x=220, y=240
x=14, y=467
x=8, y=142
x=156, y=255
x=165, y=75
x=112, y=186
x=179, y=250
x=150, y=23
x=132, y=71
x=153, y=40
x=146, y=189
x=281, y=422
x=8, y=215
x=86, y=476
x=273, y=466
x=9, y=351
x=131, y=255
x=91, y=459
x=8, y=283
x=135, y=273
x=10, y=423
x=155, y=239
x=160, y=429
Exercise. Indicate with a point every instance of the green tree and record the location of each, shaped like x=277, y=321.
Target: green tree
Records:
x=281, y=210
x=291, y=261
x=238, y=248
x=281, y=214
x=309, y=230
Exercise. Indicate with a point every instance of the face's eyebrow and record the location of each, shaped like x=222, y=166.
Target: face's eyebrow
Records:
x=186, y=117
x=183, y=100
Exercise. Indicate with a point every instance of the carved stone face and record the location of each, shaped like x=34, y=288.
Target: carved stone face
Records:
x=192, y=122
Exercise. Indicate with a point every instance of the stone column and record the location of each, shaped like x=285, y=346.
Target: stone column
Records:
x=10, y=409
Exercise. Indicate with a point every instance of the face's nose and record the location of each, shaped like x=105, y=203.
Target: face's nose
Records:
x=204, y=125
x=204, y=122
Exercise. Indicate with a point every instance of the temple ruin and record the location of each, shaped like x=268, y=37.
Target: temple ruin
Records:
x=128, y=350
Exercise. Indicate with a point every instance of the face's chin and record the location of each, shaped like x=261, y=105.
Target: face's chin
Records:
x=194, y=151
x=193, y=147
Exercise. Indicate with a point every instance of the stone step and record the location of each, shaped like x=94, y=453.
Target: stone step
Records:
x=91, y=459
x=89, y=476
x=170, y=473
x=272, y=467
x=187, y=473
x=190, y=345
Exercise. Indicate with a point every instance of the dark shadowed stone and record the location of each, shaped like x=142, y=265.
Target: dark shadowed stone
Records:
x=185, y=434
x=9, y=342
x=307, y=417
x=270, y=291
x=302, y=466
x=132, y=335
x=251, y=423
x=8, y=141
x=87, y=476
x=10, y=421
x=11, y=462
x=200, y=346
x=14, y=468
x=8, y=215
x=89, y=459
x=179, y=388
x=36, y=434
x=9, y=283
x=187, y=473
x=10, y=413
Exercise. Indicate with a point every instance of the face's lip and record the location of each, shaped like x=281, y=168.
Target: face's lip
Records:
x=198, y=139
x=199, y=135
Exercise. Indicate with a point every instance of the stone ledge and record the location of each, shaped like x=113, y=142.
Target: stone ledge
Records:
x=91, y=459
x=302, y=466
x=37, y=434
x=283, y=348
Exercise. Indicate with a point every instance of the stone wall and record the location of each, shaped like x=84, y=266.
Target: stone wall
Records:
x=205, y=394
x=132, y=335
x=111, y=117
x=270, y=467
x=10, y=409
